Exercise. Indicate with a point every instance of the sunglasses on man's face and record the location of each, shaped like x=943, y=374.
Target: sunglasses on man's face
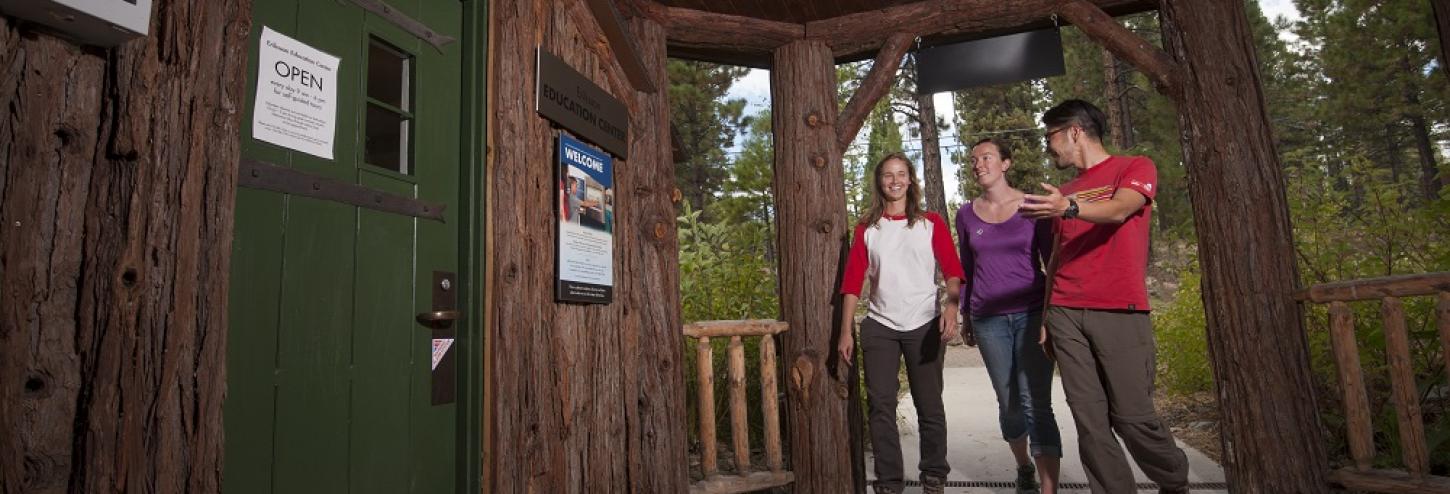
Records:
x=1047, y=138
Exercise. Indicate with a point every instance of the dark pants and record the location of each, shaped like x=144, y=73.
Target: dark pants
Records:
x=1107, y=362
x=882, y=349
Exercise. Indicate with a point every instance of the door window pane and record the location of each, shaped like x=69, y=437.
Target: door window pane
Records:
x=387, y=139
x=389, y=116
x=388, y=74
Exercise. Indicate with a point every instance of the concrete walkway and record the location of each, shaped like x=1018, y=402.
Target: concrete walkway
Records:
x=975, y=449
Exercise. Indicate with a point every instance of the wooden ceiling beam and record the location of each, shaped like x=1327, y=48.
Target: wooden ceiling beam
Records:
x=690, y=29
x=852, y=35
x=877, y=83
x=1125, y=44
x=621, y=42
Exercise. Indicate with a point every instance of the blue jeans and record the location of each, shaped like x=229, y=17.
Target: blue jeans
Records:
x=1022, y=378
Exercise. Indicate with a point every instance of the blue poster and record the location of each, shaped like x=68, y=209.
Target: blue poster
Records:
x=586, y=223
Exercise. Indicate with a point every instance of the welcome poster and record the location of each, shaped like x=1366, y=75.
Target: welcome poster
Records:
x=586, y=223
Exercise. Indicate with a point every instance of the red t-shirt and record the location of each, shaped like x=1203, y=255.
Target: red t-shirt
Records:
x=1104, y=266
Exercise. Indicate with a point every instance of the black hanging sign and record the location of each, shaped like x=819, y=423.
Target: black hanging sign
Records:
x=991, y=61
x=575, y=102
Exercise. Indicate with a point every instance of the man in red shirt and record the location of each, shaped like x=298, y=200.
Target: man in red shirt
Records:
x=1097, y=320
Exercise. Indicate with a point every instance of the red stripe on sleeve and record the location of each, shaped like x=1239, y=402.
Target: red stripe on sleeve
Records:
x=941, y=246
x=856, y=264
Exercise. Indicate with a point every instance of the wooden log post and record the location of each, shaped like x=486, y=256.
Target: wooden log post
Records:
x=705, y=389
x=654, y=380
x=1351, y=381
x=769, y=407
x=739, y=419
x=1260, y=355
x=810, y=208
x=1403, y=390
x=118, y=172
x=1442, y=321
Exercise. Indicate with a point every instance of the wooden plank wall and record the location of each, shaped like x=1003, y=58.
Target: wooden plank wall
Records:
x=586, y=398
x=117, y=181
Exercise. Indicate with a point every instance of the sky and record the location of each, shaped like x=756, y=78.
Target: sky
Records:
x=754, y=88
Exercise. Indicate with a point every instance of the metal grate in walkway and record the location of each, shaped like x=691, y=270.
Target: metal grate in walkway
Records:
x=1145, y=486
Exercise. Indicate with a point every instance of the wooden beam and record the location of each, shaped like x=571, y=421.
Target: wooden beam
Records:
x=749, y=327
x=1389, y=481
x=622, y=44
x=852, y=35
x=1409, y=285
x=1124, y=44
x=733, y=484
x=690, y=29
x=878, y=82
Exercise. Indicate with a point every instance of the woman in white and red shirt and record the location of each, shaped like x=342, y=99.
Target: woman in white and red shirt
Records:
x=899, y=248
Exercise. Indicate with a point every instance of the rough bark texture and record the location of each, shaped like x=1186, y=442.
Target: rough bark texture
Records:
x=1120, y=115
x=727, y=38
x=878, y=83
x=810, y=208
x=586, y=398
x=117, y=180
x=936, y=199
x=1101, y=27
x=1442, y=27
x=1271, y=429
x=852, y=35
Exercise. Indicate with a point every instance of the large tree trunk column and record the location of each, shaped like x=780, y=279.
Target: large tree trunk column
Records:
x=655, y=387
x=118, y=176
x=811, y=205
x=1260, y=356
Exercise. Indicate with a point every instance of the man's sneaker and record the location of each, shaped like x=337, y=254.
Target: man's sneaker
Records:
x=931, y=484
x=1180, y=490
x=1027, y=479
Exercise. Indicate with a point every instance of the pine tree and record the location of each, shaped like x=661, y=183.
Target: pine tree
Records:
x=706, y=124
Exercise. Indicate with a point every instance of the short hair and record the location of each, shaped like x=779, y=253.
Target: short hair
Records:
x=1004, y=151
x=1080, y=113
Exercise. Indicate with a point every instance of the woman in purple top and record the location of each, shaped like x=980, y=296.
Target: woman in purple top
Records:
x=1003, y=254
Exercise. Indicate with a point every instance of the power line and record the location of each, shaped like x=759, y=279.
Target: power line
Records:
x=953, y=137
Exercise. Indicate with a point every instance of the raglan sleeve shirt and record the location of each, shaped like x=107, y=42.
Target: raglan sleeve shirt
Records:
x=941, y=245
x=857, y=262
x=1140, y=175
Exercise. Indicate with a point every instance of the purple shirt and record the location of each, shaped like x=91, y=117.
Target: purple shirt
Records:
x=1003, y=262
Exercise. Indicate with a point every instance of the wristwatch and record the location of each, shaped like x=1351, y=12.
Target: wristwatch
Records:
x=1071, y=211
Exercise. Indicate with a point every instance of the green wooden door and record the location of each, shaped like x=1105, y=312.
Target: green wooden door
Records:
x=329, y=373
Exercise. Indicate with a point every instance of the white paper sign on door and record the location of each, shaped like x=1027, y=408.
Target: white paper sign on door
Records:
x=296, y=103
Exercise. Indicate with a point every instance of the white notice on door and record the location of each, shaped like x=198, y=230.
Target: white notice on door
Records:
x=296, y=103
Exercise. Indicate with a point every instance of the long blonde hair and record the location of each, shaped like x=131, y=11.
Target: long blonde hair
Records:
x=878, y=196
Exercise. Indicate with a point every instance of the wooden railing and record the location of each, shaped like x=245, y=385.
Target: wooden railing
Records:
x=1389, y=290
x=744, y=480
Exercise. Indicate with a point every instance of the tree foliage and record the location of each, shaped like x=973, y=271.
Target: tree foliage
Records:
x=706, y=123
